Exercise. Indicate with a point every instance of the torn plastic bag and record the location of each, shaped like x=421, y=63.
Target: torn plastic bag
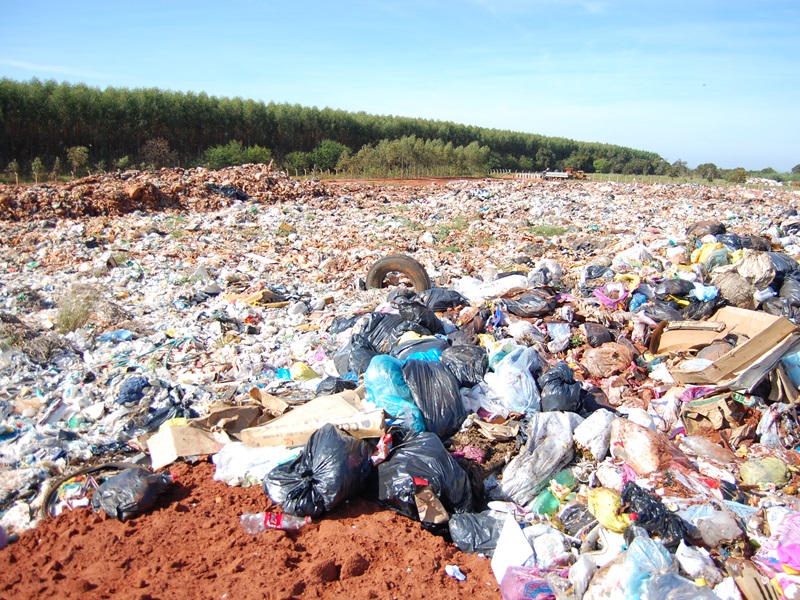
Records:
x=549, y=449
x=424, y=457
x=354, y=356
x=131, y=492
x=531, y=304
x=594, y=434
x=332, y=468
x=512, y=384
x=441, y=299
x=607, y=360
x=387, y=389
x=653, y=515
x=467, y=363
x=596, y=334
x=559, y=390
x=436, y=392
x=405, y=350
x=334, y=385
x=416, y=312
x=475, y=532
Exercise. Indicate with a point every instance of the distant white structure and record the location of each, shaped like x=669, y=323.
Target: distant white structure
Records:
x=763, y=181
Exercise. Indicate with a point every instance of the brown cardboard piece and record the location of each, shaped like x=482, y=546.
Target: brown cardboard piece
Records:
x=231, y=419
x=770, y=337
x=171, y=442
x=295, y=427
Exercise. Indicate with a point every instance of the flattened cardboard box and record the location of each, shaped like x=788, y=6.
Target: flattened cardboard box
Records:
x=295, y=427
x=767, y=334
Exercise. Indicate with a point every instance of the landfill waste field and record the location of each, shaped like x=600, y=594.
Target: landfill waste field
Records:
x=232, y=384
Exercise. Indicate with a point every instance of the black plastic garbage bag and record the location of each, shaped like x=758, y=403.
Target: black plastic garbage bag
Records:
x=783, y=264
x=441, y=299
x=755, y=242
x=423, y=456
x=653, y=515
x=406, y=349
x=341, y=324
x=475, y=532
x=402, y=328
x=334, y=385
x=598, y=272
x=659, y=310
x=435, y=391
x=791, y=290
x=332, y=468
x=694, y=311
x=596, y=334
x=559, y=389
x=779, y=307
x=354, y=356
x=679, y=288
x=531, y=304
x=378, y=327
x=416, y=312
x=131, y=492
x=468, y=364
x=731, y=241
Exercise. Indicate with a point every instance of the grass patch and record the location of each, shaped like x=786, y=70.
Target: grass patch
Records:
x=457, y=224
x=548, y=230
x=410, y=223
x=75, y=307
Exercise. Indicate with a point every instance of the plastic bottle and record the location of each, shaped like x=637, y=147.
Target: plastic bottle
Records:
x=254, y=523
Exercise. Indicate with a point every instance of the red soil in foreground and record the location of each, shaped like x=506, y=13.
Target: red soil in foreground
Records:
x=192, y=546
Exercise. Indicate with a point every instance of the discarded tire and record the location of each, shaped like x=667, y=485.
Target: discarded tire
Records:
x=398, y=263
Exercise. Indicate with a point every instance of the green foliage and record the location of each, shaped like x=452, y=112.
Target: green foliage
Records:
x=234, y=153
x=122, y=164
x=602, y=165
x=77, y=157
x=737, y=176
x=38, y=170
x=707, y=171
x=41, y=118
x=411, y=156
x=297, y=163
x=548, y=230
x=325, y=156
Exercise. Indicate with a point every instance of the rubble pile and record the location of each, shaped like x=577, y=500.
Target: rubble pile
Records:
x=119, y=193
x=598, y=391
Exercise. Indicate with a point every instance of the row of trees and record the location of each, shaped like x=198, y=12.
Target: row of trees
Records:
x=44, y=119
x=46, y=124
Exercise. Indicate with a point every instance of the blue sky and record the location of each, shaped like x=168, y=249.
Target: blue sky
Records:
x=703, y=81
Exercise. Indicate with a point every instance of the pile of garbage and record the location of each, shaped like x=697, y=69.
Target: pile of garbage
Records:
x=119, y=193
x=613, y=413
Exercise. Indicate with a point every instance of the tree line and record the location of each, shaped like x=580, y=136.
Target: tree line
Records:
x=48, y=127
